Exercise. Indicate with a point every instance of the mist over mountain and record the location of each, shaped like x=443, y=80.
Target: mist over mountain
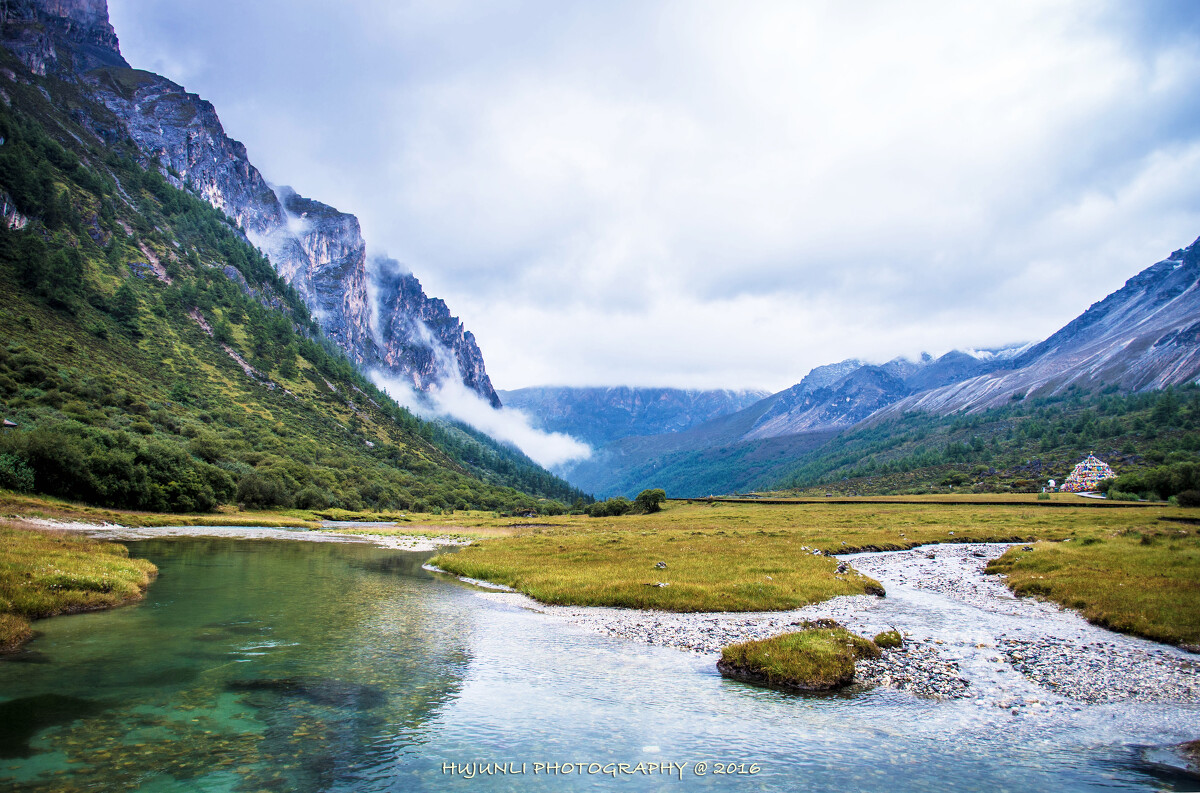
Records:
x=370, y=306
x=600, y=415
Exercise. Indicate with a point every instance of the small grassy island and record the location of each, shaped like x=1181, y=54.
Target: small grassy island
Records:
x=819, y=657
x=46, y=573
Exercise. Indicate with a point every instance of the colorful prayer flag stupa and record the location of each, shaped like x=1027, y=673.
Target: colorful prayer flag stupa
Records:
x=1087, y=475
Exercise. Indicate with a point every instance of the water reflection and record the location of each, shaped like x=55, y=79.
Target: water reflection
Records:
x=251, y=665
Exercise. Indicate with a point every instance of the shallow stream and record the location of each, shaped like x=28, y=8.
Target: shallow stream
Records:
x=282, y=665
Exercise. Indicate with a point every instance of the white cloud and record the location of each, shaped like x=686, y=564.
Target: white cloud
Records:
x=704, y=193
x=453, y=400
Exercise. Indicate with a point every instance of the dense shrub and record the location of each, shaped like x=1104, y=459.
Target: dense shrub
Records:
x=15, y=474
x=258, y=490
x=114, y=468
x=1188, y=498
x=650, y=501
x=610, y=508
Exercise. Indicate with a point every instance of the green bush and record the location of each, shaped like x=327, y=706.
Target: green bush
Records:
x=15, y=474
x=649, y=501
x=1188, y=498
x=611, y=508
x=262, y=491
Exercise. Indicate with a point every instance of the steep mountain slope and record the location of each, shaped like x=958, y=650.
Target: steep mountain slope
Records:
x=151, y=358
x=1142, y=337
x=600, y=415
x=317, y=249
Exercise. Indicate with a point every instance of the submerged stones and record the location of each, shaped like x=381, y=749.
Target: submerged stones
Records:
x=22, y=718
x=1180, y=758
x=320, y=691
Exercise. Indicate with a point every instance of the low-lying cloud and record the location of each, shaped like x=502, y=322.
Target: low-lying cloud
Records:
x=451, y=399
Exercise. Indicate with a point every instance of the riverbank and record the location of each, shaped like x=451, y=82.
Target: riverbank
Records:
x=46, y=572
x=966, y=636
x=382, y=536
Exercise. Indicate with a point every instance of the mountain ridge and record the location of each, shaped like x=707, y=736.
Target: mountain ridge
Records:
x=1144, y=336
x=319, y=250
x=599, y=415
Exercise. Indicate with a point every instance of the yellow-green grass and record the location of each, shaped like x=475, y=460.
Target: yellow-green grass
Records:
x=44, y=573
x=422, y=530
x=888, y=639
x=1037, y=499
x=859, y=525
x=1145, y=583
x=704, y=571
x=816, y=659
x=719, y=556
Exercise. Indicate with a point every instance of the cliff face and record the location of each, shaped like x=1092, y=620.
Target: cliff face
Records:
x=53, y=35
x=418, y=336
x=317, y=249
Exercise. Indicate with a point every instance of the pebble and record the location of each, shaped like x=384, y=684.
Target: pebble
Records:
x=1014, y=653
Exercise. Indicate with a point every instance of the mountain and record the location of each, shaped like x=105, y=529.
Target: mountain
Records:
x=843, y=394
x=1142, y=337
x=601, y=415
x=318, y=250
x=153, y=358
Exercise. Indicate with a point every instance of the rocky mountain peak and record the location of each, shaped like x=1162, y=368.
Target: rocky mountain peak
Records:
x=60, y=35
x=389, y=325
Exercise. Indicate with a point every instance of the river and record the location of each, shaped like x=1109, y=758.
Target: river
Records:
x=277, y=665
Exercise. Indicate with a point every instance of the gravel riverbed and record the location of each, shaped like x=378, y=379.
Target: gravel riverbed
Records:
x=966, y=636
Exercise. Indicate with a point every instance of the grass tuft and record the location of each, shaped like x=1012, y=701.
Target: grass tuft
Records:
x=819, y=658
x=888, y=639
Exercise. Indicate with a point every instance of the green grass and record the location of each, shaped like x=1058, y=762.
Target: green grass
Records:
x=818, y=658
x=45, y=573
x=1145, y=583
x=704, y=571
x=888, y=639
x=747, y=556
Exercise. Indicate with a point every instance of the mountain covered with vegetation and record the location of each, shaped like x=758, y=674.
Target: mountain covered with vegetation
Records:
x=371, y=307
x=152, y=358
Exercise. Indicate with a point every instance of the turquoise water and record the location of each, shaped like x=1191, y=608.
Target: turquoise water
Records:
x=279, y=665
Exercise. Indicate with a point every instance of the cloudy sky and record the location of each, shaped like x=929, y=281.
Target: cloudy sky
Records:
x=719, y=194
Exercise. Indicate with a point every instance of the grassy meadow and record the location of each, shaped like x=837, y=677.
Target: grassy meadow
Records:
x=1145, y=582
x=751, y=557
x=44, y=573
x=1124, y=567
